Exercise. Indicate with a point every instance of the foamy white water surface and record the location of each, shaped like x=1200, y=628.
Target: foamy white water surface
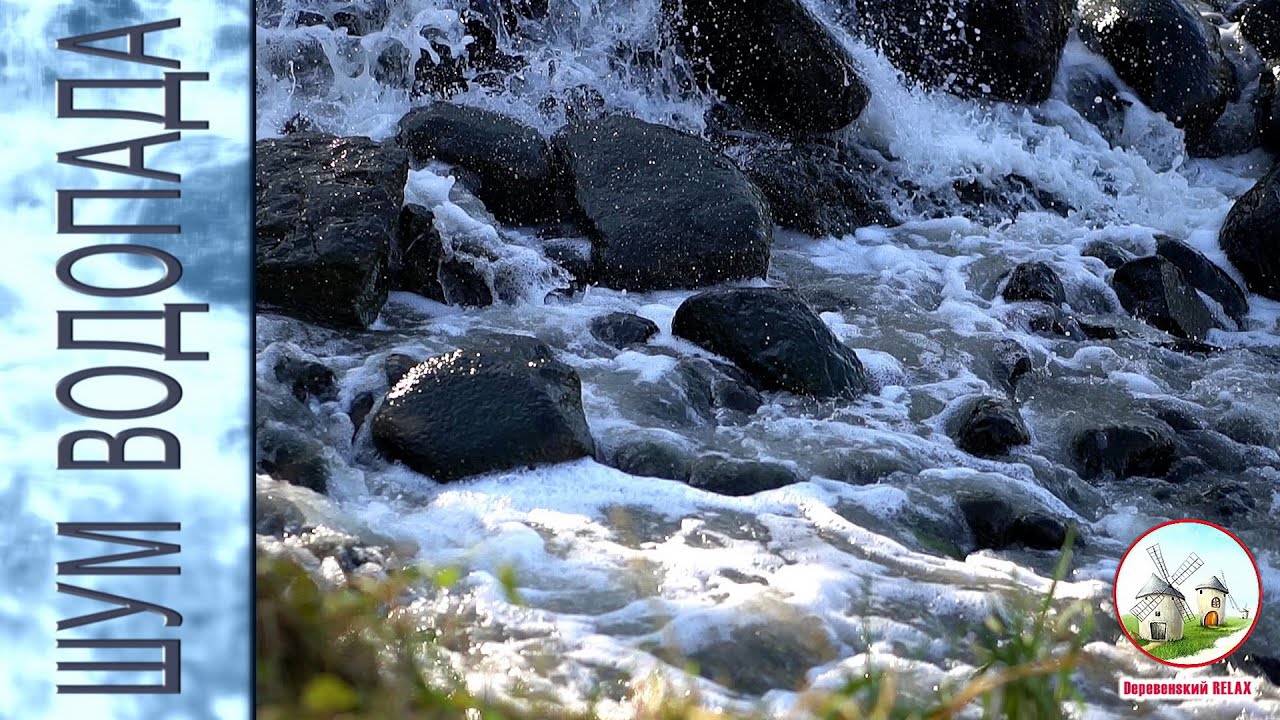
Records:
x=621, y=573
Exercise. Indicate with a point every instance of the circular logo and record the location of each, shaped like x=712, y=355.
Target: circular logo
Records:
x=1187, y=593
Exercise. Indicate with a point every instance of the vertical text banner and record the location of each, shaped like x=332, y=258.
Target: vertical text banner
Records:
x=125, y=323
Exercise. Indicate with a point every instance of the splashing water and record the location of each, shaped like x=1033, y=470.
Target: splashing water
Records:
x=620, y=572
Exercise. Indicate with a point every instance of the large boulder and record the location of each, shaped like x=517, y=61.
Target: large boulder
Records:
x=1251, y=236
x=775, y=338
x=511, y=160
x=999, y=49
x=326, y=216
x=1167, y=53
x=664, y=210
x=773, y=59
x=1155, y=291
x=1206, y=277
x=1260, y=24
x=499, y=403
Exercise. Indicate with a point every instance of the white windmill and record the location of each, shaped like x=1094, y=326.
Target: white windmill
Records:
x=1244, y=611
x=1162, y=609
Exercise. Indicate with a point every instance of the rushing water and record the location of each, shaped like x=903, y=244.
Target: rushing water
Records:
x=618, y=572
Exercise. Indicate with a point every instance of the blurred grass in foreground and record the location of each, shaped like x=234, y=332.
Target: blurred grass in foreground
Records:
x=345, y=654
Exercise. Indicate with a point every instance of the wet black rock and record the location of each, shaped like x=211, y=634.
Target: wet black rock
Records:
x=813, y=190
x=990, y=426
x=775, y=338
x=1098, y=99
x=291, y=456
x=493, y=66
x=306, y=18
x=1166, y=53
x=663, y=209
x=307, y=379
x=1145, y=449
x=1155, y=291
x=579, y=103
x=711, y=385
x=648, y=457
x=1010, y=361
x=464, y=282
x=510, y=159
x=773, y=59
x=994, y=49
x=990, y=200
x=623, y=329
x=440, y=73
x=1227, y=501
x=1266, y=107
x=1260, y=24
x=326, y=216
x=298, y=123
x=1190, y=347
x=1047, y=319
x=1205, y=276
x=1111, y=255
x=1248, y=428
x=1251, y=236
x=415, y=263
x=996, y=524
x=500, y=402
x=1038, y=531
x=1187, y=470
x=359, y=411
x=1094, y=330
x=574, y=255
x=1035, y=281
x=739, y=478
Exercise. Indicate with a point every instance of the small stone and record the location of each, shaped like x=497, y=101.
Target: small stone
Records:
x=1035, y=281
x=623, y=329
x=991, y=426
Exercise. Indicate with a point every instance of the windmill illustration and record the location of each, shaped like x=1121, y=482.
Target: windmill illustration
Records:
x=1244, y=611
x=1162, y=609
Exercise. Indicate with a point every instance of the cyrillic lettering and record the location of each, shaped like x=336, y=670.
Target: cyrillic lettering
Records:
x=173, y=393
x=115, y=450
x=129, y=606
x=172, y=316
x=67, y=212
x=137, y=38
x=171, y=118
x=99, y=532
x=137, y=157
x=170, y=665
x=172, y=270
